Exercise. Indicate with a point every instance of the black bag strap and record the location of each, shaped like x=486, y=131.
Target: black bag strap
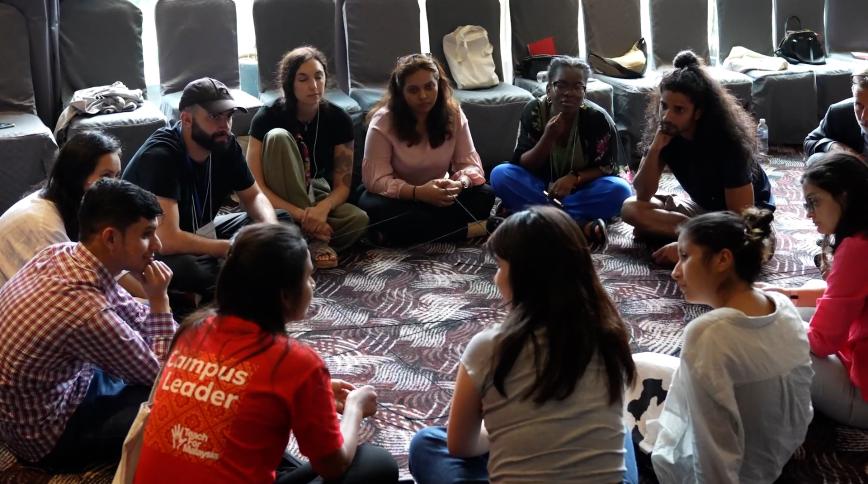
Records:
x=787, y=23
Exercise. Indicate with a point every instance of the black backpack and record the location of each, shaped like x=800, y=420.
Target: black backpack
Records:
x=801, y=46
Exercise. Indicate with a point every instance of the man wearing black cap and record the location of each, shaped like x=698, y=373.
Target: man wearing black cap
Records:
x=192, y=167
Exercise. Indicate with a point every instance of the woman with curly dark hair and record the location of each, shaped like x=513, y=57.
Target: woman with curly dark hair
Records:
x=301, y=154
x=708, y=141
x=422, y=174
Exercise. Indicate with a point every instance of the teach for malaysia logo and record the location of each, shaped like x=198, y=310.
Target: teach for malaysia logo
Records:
x=189, y=442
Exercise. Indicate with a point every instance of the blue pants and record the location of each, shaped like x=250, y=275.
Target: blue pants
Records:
x=599, y=198
x=430, y=462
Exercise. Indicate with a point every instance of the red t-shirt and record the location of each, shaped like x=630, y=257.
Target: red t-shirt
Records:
x=227, y=400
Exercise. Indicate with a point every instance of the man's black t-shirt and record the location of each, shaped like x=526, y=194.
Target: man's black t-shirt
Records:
x=162, y=167
x=706, y=175
x=331, y=127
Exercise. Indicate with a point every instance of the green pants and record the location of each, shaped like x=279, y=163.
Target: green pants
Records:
x=283, y=173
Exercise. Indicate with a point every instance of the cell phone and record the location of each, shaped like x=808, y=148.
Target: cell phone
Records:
x=6, y=125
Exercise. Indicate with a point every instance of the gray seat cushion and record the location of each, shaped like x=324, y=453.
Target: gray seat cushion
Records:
x=630, y=102
x=834, y=79
x=597, y=92
x=367, y=97
x=131, y=128
x=240, y=121
x=493, y=96
x=28, y=151
x=738, y=84
x=493, y=115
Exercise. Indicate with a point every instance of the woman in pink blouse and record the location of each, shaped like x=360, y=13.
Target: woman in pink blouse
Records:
x=836, y=197
x=423, y=177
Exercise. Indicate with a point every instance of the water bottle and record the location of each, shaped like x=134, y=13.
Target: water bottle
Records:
x=762, y=135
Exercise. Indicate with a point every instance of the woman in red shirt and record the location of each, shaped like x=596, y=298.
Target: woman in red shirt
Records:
x=235, y=385
x=836, y=197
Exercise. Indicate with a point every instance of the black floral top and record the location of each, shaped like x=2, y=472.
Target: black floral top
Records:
x=593, y=141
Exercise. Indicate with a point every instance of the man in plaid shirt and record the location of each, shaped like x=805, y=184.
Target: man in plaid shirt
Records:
x=77, y=353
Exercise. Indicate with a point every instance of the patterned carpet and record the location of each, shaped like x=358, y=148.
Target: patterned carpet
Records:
x=399, y=319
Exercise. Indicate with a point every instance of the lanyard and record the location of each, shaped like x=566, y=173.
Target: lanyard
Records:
x=198, y=205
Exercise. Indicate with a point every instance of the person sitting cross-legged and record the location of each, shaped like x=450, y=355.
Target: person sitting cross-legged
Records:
x=567, y=147
x=700, y=132
x=78, y=354
x=423, y=177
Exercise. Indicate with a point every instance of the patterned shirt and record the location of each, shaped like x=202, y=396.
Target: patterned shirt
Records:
x=61, y=316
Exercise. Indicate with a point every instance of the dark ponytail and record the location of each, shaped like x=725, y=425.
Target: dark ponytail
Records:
x=747, y=236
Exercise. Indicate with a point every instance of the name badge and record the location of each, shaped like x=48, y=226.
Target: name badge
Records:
x=208, y=231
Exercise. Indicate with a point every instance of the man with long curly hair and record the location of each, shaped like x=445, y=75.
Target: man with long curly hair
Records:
x=707, y=140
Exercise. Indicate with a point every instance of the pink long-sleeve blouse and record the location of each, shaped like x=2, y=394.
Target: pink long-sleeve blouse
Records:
x=389, y=164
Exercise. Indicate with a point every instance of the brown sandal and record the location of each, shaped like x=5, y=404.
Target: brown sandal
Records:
x=322, y=256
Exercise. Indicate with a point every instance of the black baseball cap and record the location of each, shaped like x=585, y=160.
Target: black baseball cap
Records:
x=211, y=94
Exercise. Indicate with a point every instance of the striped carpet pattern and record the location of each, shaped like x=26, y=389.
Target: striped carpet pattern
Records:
x=398, y=319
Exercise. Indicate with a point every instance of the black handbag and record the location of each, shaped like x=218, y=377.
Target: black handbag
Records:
x=801, y=46
x=530, y=66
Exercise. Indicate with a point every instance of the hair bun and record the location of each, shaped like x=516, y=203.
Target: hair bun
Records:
x=757, y=225
x=685, y=58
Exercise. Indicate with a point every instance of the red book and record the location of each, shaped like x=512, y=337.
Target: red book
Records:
x=544, y=46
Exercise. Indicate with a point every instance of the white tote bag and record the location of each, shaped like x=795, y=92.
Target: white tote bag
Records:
x=126, y=470
x=469, y=55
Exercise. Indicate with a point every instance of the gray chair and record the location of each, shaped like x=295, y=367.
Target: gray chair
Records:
x=630, y=96
x=674, y=29
x=532, y=21
x=845, y=26
x=85, y=62
x=198, y=38
x=41, y=17
x=371, y=49
x=27, y=149
x=282, y=25
x=494, y=113
x=786, y=99
x=833, y=78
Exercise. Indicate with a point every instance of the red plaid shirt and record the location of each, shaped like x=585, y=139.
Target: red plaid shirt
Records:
x=61, y=316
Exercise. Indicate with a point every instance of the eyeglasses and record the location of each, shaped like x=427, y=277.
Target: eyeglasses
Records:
x=811, y=204
x=564, y=86
x=860, y=79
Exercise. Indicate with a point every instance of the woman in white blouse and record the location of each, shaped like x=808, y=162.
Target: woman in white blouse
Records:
x=49, y=215
x=740, y=400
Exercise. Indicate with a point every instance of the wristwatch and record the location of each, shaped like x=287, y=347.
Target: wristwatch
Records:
x=465, y=182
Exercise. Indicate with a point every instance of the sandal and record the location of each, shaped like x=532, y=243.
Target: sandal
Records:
x=598, y=240
x=322, y=256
